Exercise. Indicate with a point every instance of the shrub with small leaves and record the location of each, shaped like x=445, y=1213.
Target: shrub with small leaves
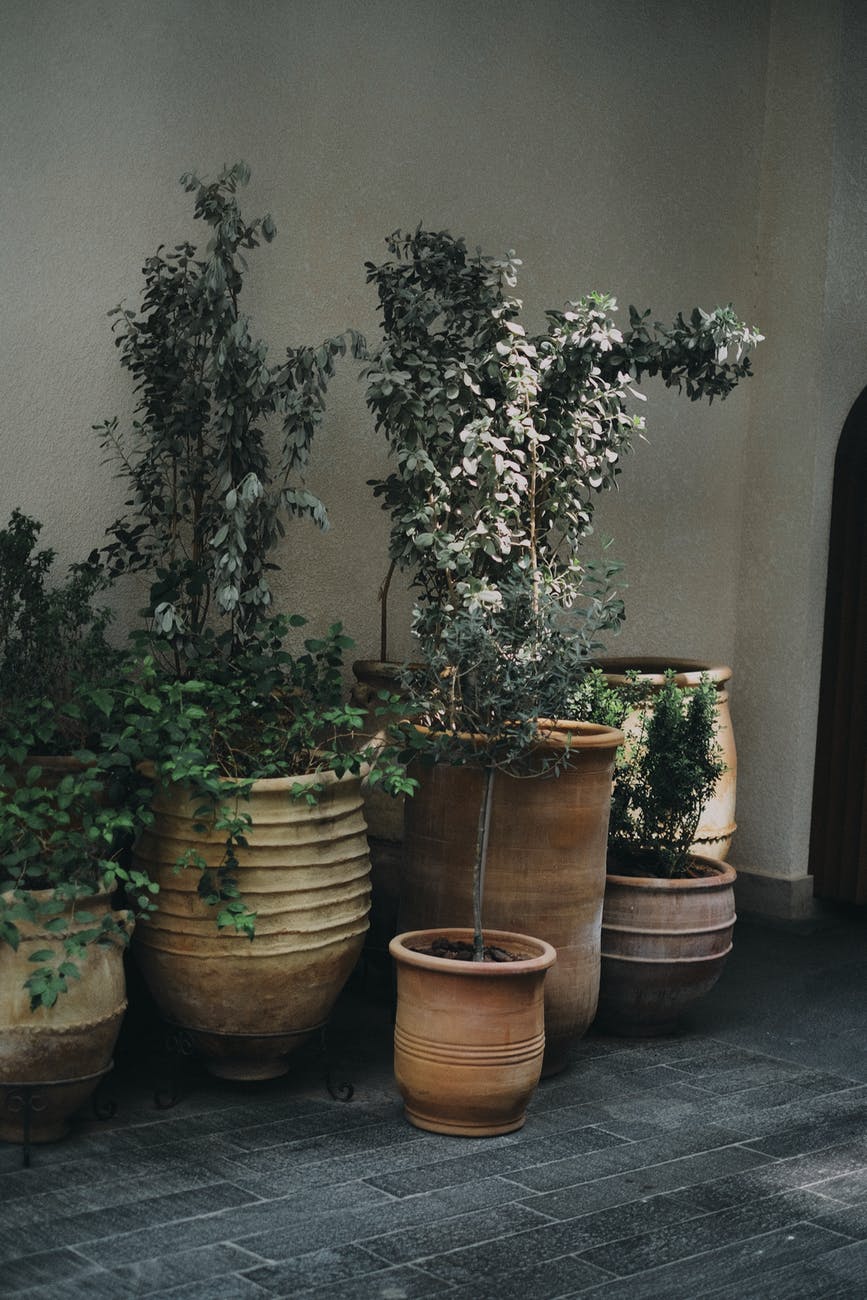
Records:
x=501, y=438
x=664, y=774
x=207, y=504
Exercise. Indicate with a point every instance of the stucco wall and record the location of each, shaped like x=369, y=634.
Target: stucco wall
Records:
x=614, y=147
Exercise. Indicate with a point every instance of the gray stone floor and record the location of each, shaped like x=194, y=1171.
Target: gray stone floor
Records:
x=729, y=1161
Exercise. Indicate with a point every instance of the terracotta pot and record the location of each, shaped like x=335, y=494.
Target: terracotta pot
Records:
x=469, y=1036
x=717, y=824
x=664, y=945
x=61, y=1051
x=306, y=875
x=545, y=870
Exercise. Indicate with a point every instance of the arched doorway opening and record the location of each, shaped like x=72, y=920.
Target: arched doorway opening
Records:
x=838, y=837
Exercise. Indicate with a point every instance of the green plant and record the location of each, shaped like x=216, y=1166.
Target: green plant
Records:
x=665, y=772
x=62, y=840
x=500, y=439
x=219, y=698
x=207, y=505
x=52, y=640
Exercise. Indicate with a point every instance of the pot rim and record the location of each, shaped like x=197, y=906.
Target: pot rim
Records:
x=581, y=735
x=270, y=784
x=724, y=875
x=651, y=669
x=545, y=958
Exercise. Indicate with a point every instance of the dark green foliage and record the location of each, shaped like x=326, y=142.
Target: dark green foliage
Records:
x=500, y=439
x=207, y=505
x=52, y=640
x=664, y=774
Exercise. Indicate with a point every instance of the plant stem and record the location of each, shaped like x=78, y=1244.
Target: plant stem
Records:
x=479, y=864
x=383, y=614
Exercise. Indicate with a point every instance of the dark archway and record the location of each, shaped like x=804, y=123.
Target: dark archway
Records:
x=838, y=838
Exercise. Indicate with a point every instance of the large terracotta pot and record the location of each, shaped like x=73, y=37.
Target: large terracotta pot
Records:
x=59, y=1053
x=717, y=824
x=545, y=868
x=664, y=945
x=469, y=1036
x=306, y=875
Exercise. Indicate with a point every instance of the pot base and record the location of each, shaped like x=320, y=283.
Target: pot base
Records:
x=453, y=1128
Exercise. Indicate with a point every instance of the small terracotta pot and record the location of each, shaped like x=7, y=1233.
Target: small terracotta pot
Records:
x=469, y=1036
x=717, y=824
x=664, y=945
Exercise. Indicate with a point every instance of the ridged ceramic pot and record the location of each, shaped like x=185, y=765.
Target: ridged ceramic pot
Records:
x=469, y=1037
x=306, y=875
x=545, y=868
x=717, y=824
x=60, y=1052
x=664, y=945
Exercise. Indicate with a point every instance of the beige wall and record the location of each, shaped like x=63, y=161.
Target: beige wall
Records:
x=669, y=152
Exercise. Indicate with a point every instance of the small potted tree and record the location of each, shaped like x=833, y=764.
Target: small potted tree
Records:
x=669, y=911
x=500, y=441
x=471, y=1023
x=242, y=730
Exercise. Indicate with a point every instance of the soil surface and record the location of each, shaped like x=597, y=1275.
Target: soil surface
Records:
x=458, y=950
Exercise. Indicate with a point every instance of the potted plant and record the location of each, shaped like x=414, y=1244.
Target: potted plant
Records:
x=244, y=732
x=669, y=911
x=471, y=1019
x=716, y=823
x=62, y=839
x=500, y=440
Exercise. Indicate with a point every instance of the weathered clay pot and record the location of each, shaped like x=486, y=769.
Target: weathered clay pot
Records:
x=59, y=1052
x=469, y=1037
x=664, y=945
x=306, y=875
x=717, y=824
x=545, y=868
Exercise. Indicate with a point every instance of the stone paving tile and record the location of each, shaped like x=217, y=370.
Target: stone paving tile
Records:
x=808, y=1137
x=356, y=1225
x=167, y=1272
x=825, y=1108
x=228, y=1225
x=544, y=1241
x=744, y=1264
x=696, y=1235
x=840, y=1272
x=732, y=1071
x=331, y=1264
x=134, y=1215
x=812, y=1171
x=850, y=1220
x=233, y=1287
x=44, y=1268
x=491, y=1225
x=705, y=1143
x=550, y=1279
x=850, y=1188
x=517, y=1155
x=401, y=1283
